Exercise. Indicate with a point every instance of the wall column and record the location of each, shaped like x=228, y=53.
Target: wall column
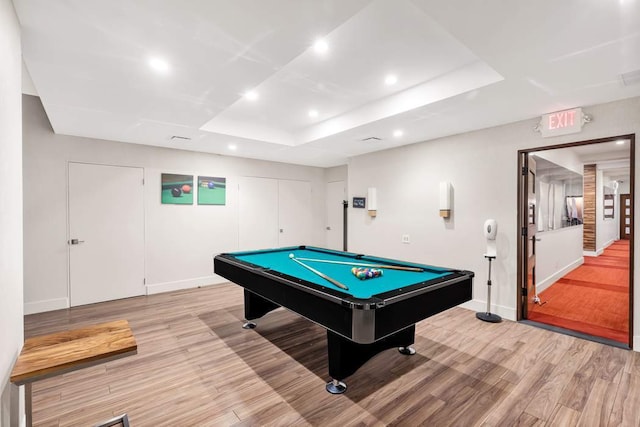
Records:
x=589, y=210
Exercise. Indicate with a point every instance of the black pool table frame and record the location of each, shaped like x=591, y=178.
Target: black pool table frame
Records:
x=357, y=329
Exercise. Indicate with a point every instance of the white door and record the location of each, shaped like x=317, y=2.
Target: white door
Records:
x=257, y=213
x=294, y=216
x=106, y=233
x=336, y=194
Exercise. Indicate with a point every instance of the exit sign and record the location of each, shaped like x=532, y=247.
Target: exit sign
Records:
x=561, y=123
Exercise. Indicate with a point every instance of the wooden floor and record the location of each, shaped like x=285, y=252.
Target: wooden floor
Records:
x=196, y=366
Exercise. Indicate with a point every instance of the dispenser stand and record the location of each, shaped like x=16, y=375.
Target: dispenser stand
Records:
x=488, y=316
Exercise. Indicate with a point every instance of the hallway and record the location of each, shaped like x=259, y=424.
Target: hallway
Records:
x=592, y=299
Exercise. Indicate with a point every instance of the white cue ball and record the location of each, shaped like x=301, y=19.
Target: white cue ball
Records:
x=290, y=255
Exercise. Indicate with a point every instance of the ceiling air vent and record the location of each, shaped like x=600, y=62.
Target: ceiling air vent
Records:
x=176, y=138
x=372, y=139
x=630, y=78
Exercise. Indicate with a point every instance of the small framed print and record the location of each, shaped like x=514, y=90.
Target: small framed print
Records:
x=359, y=202
x=212, y=190
x=176, y=189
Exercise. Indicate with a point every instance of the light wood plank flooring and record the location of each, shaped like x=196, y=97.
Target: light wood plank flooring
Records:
x=196, y=366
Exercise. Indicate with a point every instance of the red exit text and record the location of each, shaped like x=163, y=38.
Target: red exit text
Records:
x=561, y=122
x=562, y=119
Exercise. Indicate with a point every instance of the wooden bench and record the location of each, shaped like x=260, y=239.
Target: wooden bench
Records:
x=54, y=354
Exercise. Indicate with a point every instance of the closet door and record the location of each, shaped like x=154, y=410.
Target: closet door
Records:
x=257, y=213
x=294, y=216
x=106, y=233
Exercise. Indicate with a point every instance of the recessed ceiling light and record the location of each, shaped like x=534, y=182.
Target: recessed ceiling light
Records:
x=620, y=142
x=391, y=79
x=313, y=113
x=398, y=133
x=251, y=95
x=160, y=65
x=320, y=46
x=232, y=147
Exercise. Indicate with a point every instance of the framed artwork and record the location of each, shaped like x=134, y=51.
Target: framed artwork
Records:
x=609, y=206
x=177, y=189
x=359, y=202
x=212, y=190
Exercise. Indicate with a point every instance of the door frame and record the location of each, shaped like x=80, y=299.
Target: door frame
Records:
x=527, y=167
x=521, y=199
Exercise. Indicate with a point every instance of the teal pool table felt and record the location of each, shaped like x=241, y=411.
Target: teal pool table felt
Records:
x=391, y=280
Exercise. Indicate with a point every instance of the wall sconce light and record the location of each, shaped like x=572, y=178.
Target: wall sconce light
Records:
x=445, y=199
x=372, y=201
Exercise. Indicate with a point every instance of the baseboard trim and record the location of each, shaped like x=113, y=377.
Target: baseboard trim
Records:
x=601, y=250
x=636, y=343
x=544, y=284
x=481, y=306
x=157, y=288
x=592, y=253
x=45, y=305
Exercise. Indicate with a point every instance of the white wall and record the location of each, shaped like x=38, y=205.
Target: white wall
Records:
x=338, y=173
x=482, y=167
x=624, y=188
x=557, y=253
x=180, y=240
x=606, y=229
x=565, y=158
x=11, y=323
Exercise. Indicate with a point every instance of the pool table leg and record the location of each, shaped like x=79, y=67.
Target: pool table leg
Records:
x=336, y=387
x=346, y=356
x=254, y=307
x=407, y=351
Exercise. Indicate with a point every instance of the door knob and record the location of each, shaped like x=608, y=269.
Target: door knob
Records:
x=76, y=241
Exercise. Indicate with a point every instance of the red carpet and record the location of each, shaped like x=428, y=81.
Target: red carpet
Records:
x=593, y=298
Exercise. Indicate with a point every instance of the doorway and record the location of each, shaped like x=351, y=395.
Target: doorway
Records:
x=106, y=233
x=574, y=274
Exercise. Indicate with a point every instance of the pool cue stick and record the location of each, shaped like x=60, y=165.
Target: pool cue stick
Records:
x=324, y=276
x=361, y=264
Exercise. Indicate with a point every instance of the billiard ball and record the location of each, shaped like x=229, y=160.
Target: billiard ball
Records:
x=186, y=189
x=176, y=192
x=211, y=185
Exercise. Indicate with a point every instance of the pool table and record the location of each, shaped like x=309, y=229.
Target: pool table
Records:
x=370, y=316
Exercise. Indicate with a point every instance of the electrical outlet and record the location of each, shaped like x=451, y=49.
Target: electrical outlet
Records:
x=405, y=238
